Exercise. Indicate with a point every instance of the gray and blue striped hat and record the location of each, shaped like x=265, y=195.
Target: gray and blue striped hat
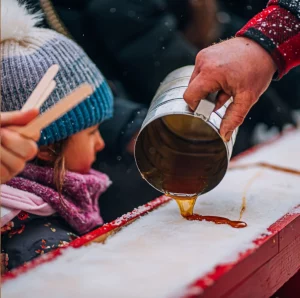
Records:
x=26, y=54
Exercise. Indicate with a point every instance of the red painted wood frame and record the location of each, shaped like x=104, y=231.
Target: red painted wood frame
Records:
x=257, y=273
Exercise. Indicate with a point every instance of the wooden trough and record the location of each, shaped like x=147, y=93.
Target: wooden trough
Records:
x=153, y=252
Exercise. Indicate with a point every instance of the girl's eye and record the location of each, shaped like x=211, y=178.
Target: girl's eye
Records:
x=94, y=131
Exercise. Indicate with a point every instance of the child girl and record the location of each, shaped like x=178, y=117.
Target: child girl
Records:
x=55, y=198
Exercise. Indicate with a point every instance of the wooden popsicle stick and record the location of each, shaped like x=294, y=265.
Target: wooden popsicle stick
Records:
x=45, y=95
x=41, y=87
x=36, y=125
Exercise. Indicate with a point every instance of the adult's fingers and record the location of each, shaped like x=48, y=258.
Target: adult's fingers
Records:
x=11, y=165
x=199, y=89
x=222, y=98
x=195, y=73
x=235, y=114
x=17, y=144
x=18, y=117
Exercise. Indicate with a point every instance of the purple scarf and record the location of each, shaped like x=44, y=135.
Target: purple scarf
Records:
x=80, y=194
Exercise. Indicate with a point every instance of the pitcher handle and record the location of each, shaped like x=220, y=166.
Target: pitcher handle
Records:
x=206, y=106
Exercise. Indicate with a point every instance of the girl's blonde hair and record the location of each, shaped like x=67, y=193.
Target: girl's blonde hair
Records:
x=59, y=166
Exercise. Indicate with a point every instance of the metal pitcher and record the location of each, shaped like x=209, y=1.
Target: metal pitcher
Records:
x=180, y=152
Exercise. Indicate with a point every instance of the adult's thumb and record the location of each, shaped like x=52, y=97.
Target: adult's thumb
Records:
x=235, y=114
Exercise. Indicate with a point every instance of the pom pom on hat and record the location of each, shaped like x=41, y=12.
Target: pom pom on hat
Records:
x=16, y=20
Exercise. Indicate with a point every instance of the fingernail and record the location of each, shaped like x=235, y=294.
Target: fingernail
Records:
x=228, y=136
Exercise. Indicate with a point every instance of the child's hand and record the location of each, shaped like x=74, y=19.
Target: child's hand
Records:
x=15, y=149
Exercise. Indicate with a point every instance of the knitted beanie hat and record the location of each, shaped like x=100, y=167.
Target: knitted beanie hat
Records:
x=26, y=54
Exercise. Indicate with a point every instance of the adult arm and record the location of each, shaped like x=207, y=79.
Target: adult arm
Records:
x=277, y=30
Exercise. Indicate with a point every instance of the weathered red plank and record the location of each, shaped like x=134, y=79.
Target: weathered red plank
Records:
x=289, y=233
x=290, y=289
x=270, y=277
x=244, y=268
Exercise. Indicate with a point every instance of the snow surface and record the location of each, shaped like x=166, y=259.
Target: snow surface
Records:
x=284, y=152
x=161, y=253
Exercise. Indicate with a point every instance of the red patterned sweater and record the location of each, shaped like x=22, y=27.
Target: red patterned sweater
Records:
x=277, y=29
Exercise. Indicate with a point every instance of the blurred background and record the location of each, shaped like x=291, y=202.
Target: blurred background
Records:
x=136, y=43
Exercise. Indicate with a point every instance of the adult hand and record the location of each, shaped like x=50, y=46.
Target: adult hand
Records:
x=238, y=67
x=15, y=149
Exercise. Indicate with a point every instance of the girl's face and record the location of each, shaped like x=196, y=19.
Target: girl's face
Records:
x=81, y=149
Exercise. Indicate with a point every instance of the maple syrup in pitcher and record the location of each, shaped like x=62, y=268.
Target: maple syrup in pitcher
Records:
x=180, y=155
x=183, y=157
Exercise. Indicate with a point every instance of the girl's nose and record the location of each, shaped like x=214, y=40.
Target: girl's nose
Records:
x=100, y=144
